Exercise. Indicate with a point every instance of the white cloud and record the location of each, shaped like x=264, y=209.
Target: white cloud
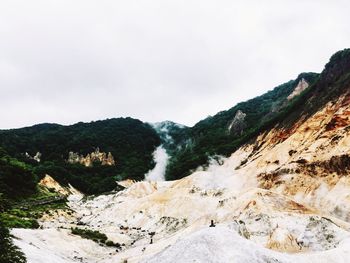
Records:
x=68, y=61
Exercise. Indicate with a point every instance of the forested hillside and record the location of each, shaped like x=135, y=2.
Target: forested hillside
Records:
x=17, y=181
x=130, y=141
x=227, y=130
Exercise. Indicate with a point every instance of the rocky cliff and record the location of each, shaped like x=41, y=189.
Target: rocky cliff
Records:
x=302, y=85
x=96, y=156
x=238, y=124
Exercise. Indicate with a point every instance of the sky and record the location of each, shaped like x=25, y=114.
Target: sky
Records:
x=81, y=60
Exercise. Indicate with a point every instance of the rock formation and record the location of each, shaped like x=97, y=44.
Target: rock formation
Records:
x=90, y=158
x=52, y=185
x=238, y=124
x=302, y=85
x=37, y=157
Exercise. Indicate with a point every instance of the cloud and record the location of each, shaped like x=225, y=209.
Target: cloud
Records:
x=69, y=61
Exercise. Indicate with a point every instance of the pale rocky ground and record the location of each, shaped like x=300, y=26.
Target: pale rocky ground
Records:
x=284, y=198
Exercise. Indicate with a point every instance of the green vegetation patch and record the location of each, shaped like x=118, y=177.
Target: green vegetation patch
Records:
x=12, y=221
x=90, y=234
x=95, y=236
x=24, y=215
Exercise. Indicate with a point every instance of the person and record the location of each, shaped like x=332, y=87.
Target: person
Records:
x=212, y=223
x=152, y=234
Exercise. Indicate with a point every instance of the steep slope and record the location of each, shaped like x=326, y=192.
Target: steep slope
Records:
x=306, y=156
x=227, y=130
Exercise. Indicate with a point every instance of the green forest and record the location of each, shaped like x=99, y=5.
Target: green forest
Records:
x=130, y=141
x=17, y=181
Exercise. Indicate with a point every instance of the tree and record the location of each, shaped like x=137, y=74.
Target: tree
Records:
x=9, y=253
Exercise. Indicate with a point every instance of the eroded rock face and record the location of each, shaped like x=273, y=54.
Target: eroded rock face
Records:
x=309, y=161
x=51, y=184
x=89, y=159
x=302, y=85
x=238, y=124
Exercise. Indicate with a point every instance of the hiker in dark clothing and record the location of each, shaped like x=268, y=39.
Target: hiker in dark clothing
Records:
x=212, y=223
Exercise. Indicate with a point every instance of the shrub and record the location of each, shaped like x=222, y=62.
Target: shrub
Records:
x=90, y=234
x=12, y=221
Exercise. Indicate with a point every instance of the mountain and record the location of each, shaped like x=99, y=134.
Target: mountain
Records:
x=267, y=181
x=224, y=132
x=126, y=144
x=130, y=144
x=306, y=155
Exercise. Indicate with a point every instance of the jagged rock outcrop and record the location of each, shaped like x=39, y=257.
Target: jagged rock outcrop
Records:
x=90, y=158
x=302, y=85
x=238, y=124
x=37, y=157
x=52, y=185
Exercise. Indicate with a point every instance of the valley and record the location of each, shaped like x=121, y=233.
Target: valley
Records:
x=265, y=181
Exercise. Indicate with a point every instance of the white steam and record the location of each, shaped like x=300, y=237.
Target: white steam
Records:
x=161, y=158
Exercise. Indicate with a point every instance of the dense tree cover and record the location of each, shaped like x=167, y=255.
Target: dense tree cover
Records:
x=211, y=136
x=90, y=180
x=9, y=253
x=16, y=181
x=16, y=178
x=130, y=141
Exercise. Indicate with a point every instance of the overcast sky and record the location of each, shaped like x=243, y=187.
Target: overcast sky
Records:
x=182, y=60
